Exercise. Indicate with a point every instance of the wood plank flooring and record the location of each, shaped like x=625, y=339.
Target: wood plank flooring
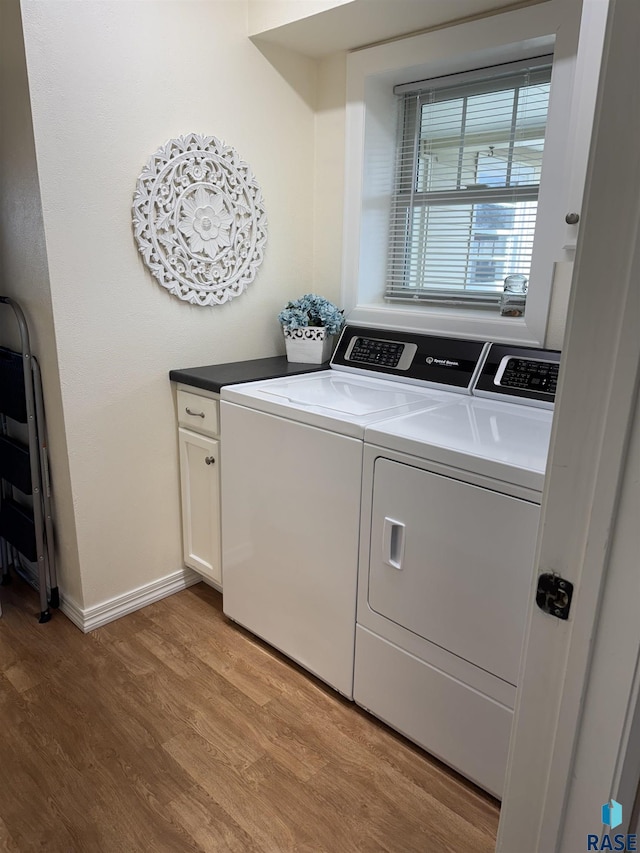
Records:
x=173, y=730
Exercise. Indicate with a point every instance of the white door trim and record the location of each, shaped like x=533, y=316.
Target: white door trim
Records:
x=607, y=760
x=598, y=384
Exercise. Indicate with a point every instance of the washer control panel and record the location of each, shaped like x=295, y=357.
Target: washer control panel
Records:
x=438, y=362
x=380, y=353
x=523, y=374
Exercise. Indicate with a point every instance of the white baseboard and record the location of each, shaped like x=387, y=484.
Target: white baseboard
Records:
x=101, y=614
x=72, y=611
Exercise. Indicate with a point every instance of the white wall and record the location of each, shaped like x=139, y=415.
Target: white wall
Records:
x=23, y=270
x=329, y=175
x=110, y=82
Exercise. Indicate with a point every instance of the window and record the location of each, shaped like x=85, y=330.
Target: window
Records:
x=372, y=200
x=469, y=158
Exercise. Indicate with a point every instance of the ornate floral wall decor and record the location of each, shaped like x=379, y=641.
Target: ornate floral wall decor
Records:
x=199, y=219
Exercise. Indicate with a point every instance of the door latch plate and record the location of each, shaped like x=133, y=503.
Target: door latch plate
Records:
x=554, y=595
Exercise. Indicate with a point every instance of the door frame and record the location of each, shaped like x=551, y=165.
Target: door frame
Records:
x=589, y=450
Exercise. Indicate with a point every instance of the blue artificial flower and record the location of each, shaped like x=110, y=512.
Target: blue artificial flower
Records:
x=312, y=310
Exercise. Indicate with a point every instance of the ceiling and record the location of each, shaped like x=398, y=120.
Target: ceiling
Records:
x=356, y=23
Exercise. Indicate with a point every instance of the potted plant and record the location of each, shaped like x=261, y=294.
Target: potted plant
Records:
x=309, y=324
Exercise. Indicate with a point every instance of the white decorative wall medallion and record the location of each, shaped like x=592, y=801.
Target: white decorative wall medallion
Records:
x=199, y=219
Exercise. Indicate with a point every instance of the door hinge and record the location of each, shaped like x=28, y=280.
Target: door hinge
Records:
x=554, y=595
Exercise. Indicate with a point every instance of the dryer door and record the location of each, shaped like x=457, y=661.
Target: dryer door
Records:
x=452, y=563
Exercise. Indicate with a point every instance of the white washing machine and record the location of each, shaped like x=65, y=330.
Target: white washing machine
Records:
x=291, y=485
x=450, y=510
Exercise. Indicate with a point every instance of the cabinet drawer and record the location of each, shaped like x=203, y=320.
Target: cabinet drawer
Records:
x=198, y=413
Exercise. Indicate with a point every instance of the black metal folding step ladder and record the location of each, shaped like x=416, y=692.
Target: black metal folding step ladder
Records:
x=26, y=522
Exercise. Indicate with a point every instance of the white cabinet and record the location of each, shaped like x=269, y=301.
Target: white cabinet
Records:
x=198, y=420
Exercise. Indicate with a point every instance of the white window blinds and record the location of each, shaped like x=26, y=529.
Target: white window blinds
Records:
x=469, y=157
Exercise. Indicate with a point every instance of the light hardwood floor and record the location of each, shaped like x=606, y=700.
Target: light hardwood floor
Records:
x=171, y=729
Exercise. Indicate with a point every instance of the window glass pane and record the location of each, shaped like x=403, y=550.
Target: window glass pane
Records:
x=470, y=246
x=489, y=119
x=438, y=255
x=440, y=129
x=470, y=158
x=501, y=243
x=533, y=105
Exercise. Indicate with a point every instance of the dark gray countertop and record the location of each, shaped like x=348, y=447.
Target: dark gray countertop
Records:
x=213, y=376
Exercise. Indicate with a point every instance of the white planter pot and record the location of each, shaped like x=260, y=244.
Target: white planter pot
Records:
x=311, y=345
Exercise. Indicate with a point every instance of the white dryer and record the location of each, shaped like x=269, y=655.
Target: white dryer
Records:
x=291, y=486
x=450, y=510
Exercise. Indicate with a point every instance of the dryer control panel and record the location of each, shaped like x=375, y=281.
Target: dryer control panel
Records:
x=528, y=374
x=520, y=374
x=439, y=362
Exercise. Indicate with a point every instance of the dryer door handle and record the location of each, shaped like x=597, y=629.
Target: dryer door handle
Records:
x=393, y=542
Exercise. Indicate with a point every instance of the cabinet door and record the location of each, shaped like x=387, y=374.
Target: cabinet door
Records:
x=200, y=486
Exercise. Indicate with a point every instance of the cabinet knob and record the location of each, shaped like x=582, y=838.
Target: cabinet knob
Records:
x=195, y=414
x=209, y=460
x=572, y=218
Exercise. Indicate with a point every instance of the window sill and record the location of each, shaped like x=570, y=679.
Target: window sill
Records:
x=472, y=323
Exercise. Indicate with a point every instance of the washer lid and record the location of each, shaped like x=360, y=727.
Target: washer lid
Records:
x=504, y=441
x=341, y=395
x=342, y=402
